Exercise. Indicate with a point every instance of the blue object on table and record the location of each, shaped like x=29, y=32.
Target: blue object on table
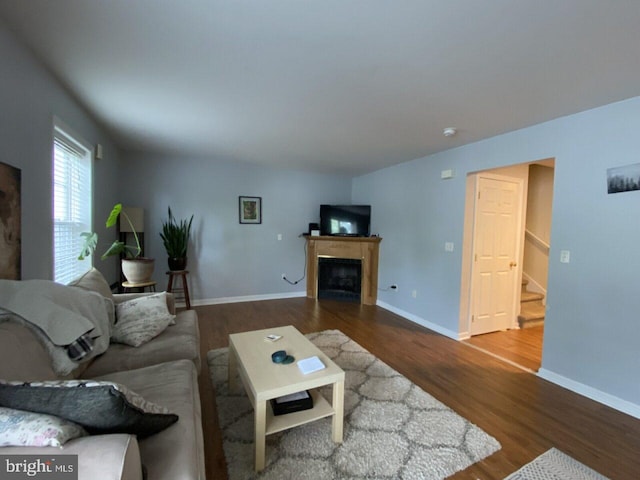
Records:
x=279, y=356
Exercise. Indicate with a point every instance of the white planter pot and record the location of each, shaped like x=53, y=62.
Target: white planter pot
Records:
x=138, y=270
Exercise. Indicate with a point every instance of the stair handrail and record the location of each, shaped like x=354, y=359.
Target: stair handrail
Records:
x=537, y=240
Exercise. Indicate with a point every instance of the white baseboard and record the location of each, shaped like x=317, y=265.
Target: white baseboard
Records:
x=420, y=321
x=276, y=296
x=247, y=298
x=593, y=393
x=463, y=336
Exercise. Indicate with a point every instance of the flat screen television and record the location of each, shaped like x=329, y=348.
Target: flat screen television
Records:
x=345, y=220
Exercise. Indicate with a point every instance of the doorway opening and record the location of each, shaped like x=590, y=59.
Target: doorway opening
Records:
x=505, y=261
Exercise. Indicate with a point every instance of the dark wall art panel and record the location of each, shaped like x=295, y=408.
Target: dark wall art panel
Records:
x=10, y=241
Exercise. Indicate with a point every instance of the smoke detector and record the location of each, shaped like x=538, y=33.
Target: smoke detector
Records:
x=449, y=131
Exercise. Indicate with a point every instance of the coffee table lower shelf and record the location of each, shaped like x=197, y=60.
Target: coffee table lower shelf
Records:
x=321, y=409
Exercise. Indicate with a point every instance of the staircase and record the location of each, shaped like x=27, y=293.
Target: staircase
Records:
x=531, y=308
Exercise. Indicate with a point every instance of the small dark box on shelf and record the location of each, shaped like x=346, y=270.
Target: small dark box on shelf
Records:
x=295, y=402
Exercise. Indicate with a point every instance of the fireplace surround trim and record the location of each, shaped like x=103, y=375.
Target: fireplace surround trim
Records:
x=366, y=249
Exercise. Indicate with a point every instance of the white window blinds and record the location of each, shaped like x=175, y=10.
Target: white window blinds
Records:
x=71, y=205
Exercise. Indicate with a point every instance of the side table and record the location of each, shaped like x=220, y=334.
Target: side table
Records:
x=129, y=285
x=184, y=291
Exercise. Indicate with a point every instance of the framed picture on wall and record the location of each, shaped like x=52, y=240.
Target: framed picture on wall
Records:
x=250, y=210
x=10, y=218
x=623, y=179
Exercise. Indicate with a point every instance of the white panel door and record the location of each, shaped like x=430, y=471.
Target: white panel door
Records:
x=496, y=234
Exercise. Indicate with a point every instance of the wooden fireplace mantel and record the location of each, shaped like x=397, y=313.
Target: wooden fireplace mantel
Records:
x=365, y=249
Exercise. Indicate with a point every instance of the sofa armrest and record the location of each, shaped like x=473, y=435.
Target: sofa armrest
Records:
x=23, y=353
x=100, y=457
x=123, y=297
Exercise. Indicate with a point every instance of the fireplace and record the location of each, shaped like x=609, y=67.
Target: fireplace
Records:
x=339, y=278
x=364, y=250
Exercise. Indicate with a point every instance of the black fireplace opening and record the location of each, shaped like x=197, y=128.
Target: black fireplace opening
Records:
x=339, y=279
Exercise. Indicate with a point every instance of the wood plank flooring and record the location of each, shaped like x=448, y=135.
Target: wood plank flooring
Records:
x=526, y=414
x=522, y=347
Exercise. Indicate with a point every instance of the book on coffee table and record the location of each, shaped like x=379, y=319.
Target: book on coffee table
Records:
x=310, y=365
x=294, y=402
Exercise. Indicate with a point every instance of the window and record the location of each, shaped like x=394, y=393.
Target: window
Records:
x=72, y=181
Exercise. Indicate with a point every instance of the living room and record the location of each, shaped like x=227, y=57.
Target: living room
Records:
x=590, y=340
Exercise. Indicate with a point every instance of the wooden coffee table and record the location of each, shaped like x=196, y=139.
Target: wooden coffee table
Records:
x=250, y=359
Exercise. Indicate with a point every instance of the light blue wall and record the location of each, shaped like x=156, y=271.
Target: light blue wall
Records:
x=29, y=99
x=412, y=210
x=228, y=259
x=592, y=333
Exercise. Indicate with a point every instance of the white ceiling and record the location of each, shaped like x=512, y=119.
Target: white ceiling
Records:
x=330, y=85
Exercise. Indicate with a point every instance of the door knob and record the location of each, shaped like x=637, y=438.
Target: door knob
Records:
x=512, y=264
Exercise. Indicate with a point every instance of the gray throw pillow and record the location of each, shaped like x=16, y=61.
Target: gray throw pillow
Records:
x=99, y=407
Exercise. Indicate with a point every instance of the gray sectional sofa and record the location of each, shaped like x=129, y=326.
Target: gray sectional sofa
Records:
x=164, y=371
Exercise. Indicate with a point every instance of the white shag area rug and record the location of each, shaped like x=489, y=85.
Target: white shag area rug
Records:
x=392, y=428
x=555, y=465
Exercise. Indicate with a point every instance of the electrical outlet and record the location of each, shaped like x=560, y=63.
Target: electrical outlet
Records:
x=284, y=275
x=448, y=246
x=414, y=293
x=394, y=287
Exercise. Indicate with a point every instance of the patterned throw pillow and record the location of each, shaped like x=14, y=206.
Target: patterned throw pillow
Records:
x=27, y=429
x=141, y=319
x=100, y=407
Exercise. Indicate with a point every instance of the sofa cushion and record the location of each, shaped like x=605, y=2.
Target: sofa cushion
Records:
x=177, y=342
x=141, y=319
x=20, y=428
x=176, y=453
x=99, y=407
x=94, y=281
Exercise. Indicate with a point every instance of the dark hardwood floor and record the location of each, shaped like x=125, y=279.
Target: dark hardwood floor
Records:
x=525, y=413
x=522, y=347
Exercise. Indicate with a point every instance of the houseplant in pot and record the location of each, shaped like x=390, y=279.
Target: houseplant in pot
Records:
x=135, y=268
x=175, y=236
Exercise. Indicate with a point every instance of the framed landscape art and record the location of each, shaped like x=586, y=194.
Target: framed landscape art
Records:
x=623, y=179
x=250, y=210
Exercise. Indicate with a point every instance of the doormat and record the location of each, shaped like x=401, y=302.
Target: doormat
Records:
x=555, y=465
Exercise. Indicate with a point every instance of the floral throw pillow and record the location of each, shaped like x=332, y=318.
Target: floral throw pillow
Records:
x=141, y=319
x=28, y=429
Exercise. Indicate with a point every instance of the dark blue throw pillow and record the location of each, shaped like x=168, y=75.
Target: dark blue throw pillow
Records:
x=99, y=407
